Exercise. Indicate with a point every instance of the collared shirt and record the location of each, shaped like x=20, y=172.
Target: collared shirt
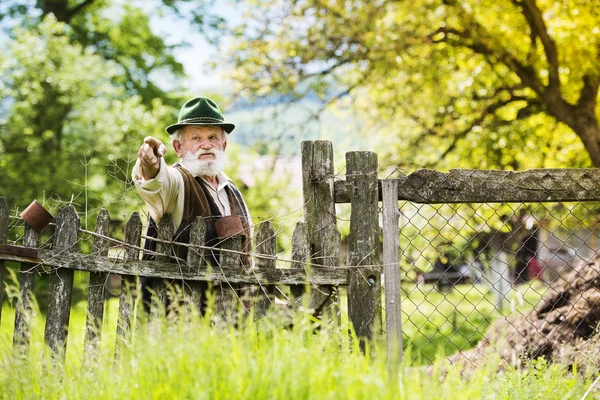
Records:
x=165, y=193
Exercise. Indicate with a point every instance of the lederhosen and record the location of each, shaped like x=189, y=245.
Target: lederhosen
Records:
x=197, y=202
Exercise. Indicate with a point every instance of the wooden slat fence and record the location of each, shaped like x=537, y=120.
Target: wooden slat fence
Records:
x=315, y=246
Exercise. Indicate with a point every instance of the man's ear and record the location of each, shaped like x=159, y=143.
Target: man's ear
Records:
x=177, y=147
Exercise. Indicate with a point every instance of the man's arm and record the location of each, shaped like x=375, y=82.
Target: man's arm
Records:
x=159, y=186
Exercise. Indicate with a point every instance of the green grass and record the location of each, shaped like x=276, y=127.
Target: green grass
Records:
x=435, y=322
x=197, y=359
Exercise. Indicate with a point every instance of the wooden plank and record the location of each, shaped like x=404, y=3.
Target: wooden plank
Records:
x=364, y=287
x=320, y=216
x=391, y=273
x=231, y=248
x=96, y=286
x=300, y=254
x=265, y=252
x=3, y=240
x=286, y=276
x=266, y=243
x=160, y=296
x=23, y=313
x=196, y=290
x=493, y=186
x=133, y=235
x=319, y=207
x=61, y=283
x=18, y=250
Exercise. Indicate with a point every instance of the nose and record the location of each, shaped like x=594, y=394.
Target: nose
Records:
x=205, y=144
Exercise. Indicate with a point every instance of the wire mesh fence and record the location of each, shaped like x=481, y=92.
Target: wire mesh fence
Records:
x=515, y=278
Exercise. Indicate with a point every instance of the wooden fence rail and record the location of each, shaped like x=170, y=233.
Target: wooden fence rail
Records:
x=315, y=247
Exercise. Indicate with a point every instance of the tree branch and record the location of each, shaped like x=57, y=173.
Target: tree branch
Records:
x=589, y=92
x=74, y=10
x=534, y=18
x=476, y=41
x=490, y=109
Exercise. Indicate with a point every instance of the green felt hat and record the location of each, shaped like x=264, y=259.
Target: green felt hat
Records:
x=200, y=111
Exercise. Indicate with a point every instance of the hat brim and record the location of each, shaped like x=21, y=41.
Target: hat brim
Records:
x=225, y=125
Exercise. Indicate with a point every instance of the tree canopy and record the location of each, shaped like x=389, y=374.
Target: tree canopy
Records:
x=79, y=92
x=511, y=84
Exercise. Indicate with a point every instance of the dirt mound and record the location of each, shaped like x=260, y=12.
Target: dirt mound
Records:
x=563, y=327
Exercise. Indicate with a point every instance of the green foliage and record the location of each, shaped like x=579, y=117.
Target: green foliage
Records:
x=70, y=132
x=79, y=92
x=444, y=83
x=268, y=193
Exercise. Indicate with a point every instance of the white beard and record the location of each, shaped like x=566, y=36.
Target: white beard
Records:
x=199, y=167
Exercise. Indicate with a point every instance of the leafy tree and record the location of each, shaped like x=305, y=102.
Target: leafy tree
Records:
x=79, y=89
x=69, y=130
x=510, y=84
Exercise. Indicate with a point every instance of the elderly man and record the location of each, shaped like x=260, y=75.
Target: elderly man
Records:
x=196, y=185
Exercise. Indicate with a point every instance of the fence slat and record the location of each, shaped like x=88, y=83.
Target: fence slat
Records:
x=300, y=254
x=133, y=234
x=391, y=262
x=61, y=283
x=22, y=333
x=319, y=206
x=363, y=244
x=3, y=240
x=230, y=256
x=266, y=245
x=320, y=214
x=196, y=291
x=165, y=251
x=95, y=306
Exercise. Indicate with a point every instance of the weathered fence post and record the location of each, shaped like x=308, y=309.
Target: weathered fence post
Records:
x=231, y=248
x=195, y=258
x=300, y=253
x=319, y=213
x=166, y=230
x=133, y=233
x=95, y=304
x=22, y=333
x=364, y=288
x=3, y=240
x=266, y=245
x=227, y=295
x=391, y=273
x=61, y=283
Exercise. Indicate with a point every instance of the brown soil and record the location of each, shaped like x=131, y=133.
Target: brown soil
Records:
x=563, y=327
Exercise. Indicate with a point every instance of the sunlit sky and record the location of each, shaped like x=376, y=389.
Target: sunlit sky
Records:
x=199, y=51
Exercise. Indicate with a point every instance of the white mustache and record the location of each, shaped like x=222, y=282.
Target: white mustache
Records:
x=203, y=151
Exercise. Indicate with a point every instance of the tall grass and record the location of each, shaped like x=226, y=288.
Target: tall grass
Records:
x=456, y=320
x=200, y=359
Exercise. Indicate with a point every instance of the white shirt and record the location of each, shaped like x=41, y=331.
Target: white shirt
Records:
x=165, y=193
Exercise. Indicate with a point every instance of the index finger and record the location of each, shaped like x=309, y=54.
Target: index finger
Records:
x=157, y=146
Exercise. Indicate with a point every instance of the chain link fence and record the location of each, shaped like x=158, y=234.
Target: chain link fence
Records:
x=518, y=279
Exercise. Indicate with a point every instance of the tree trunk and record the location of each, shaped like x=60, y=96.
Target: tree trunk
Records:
x=585, y=125
x=60, y=9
